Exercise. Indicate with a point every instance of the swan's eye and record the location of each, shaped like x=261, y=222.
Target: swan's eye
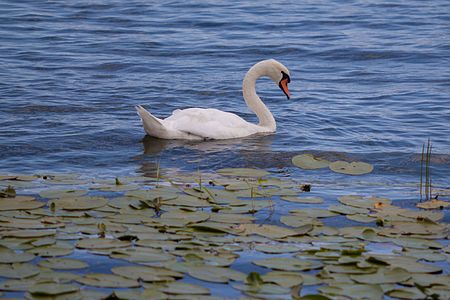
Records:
x=285, y=76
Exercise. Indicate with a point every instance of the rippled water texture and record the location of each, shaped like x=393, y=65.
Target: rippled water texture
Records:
x=368, y=77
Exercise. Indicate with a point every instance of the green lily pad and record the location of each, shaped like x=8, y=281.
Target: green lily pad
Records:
x=8, y=256
x=309, y=162
x=52, y=288
x=288, y=264
x=101, y=243
x=18, y=270
x=216, y=274
x=182, y=288
x=20, y=203
x=79, y=203
x=355, y=291
x=147, y=274
x=63, y=264
x=306, y=200
x=108, y=281
x=382, y=276
x=66, y=193
x=352, y=168
x=284, y=279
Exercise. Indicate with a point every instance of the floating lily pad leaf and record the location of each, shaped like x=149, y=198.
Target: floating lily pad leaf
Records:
x=383, y=275
x=187, y=200
x=354, y=291
x=16, y=203
x=162, y=193
x=27, y=233
x=364, y=202
x=66, y=193
x=349, y=269
x=264, y=291
x=313, y=213
x=17, y=285
x=107, y=281
x=101, y=243
x=427, y=280
x=63, y=264
x=307, y=200
x=231, y=218
x=93, y=294
x=427, y=254
x=422, y=228
x=181, y=288
x=186, y=217
x=347, y=210
x=269, y=231
x=217, y=227
x=309, y=162
x=362, y=218
x=79, y=203
x=409, y=293
x=284, y=279
x=300, y=221
x=53, y=276
x=434, y=204
x=8, y=256
x=52, y=288
x=51, y=251
x=142, y=255
x=313, y=297
x=147, y=274
x=18, y=270
x=276, y=248
x=288, y=264
x=216, y=274
x=352, y=168
x=410, y=264
x=243, y=172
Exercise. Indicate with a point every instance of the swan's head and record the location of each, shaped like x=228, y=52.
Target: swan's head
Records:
x=280, y=74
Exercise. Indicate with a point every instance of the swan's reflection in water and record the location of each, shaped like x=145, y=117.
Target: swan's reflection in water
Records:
x=213, y=154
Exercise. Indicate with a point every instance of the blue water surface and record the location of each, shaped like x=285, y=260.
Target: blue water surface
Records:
x=370, y=78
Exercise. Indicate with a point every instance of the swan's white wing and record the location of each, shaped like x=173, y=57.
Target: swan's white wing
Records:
x=210, y=123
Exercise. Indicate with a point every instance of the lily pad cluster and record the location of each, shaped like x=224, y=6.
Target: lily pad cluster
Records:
x=190, y=237
x=310, y=162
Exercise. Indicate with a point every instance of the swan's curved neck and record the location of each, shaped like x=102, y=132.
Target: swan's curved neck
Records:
x=253, y=101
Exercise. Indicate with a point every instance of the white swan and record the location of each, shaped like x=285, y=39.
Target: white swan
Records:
x=209, y=123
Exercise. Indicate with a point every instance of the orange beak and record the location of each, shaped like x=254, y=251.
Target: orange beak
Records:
x=284, y=86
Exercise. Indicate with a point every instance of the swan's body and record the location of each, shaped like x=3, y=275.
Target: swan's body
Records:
x=209, y=123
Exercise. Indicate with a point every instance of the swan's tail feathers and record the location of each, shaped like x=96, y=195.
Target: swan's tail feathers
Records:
x=152, y=125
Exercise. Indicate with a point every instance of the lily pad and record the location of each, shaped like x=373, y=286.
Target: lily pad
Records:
x=382, y=276
x=52, y=288
x=288, y=264
x=352, y=168
x=182, y=288
x=18, y=270
x=101, y=243
x=216, y=274
x=147, y=274
x=108, y=281
x=63, y=264
x=79, y=203
x=306, y=200
x=309, y=162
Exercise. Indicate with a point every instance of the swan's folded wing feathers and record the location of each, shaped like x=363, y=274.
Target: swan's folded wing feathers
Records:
x=209, y=123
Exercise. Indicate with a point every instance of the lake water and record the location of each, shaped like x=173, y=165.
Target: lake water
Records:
x=368, y=78
x=370, y=81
